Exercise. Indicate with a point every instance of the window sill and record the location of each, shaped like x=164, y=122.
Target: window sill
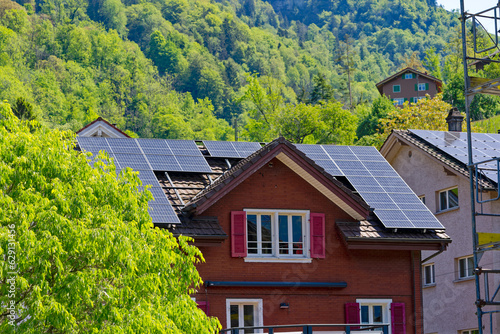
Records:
x=429, y=286
x=465, y=279
x=278, y=260
x=447, y=210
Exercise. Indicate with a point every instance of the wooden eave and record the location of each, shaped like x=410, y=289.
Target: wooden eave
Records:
x=389, y=244
x=308, y=170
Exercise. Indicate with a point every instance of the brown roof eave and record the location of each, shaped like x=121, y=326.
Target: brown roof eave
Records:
x=396, y=244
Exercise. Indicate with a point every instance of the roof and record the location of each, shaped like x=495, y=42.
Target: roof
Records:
x=190, y=193
x=407, y=137
x=105, y=124
x=379, y=85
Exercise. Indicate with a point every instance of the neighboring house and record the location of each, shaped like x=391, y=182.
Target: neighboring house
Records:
x=101, y=128
x=287, y=239
x=409, y=85
x=433, y=164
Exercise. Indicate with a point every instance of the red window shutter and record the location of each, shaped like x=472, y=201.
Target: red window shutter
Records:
x=317, y=235
x=238, y=234
x=398, y=319
x=203, y=306
x=352, y=314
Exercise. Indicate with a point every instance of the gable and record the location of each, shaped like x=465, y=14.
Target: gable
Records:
x=101, y=128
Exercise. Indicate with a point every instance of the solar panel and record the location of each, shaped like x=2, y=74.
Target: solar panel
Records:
x=162, y=214
x=228, y=149
x=193, y=164
x=377, y=183
x=184, y=147
x=485, y=146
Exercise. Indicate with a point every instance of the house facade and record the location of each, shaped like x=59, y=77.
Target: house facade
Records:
x=432, y=164
x=286, y=236
x=409, y=85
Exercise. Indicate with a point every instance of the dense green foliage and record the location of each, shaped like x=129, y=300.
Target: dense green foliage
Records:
x=177, y=68
x=80, y=252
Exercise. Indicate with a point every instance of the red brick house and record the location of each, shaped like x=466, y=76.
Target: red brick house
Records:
x=289, y=240
x=409, y=85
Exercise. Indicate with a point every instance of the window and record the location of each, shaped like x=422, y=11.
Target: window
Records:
x=417, y=98
x=448, y=199
x=422, y=86
x=277, y=233
x=374, y=311
x=396, y=88
x=422, y=198
x=398, y=101
x=465, y=267
x=244, y=313
x=470, y=331
x=429, y=275
x=408, y=76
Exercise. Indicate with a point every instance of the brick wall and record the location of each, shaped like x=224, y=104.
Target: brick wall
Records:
x=368, y=273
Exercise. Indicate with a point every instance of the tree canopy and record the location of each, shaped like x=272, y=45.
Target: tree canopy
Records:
x=81, y=254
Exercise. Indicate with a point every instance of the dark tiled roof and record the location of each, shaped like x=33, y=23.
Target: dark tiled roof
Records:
x=246, y=163
x=373, y=230
x=445, y=158
x=200, y=227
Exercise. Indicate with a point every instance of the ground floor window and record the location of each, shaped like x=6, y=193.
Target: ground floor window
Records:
x=244, y=313
x=374, y=311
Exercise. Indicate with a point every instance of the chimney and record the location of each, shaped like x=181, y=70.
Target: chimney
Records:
x=454, y=120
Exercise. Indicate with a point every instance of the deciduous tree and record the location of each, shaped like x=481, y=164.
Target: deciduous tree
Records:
x=79, y=252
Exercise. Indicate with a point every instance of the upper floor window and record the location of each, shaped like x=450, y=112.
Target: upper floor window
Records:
x=398, y=101
x=422, y=86
x=396, y=88
x=429, y=275
x=448, y=199
x=408, y=76
x=422, y=198
x=465, y=267
x=276, y=233
x=269, y=235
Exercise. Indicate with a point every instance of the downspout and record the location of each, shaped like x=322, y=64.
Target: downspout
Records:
x=443, y=248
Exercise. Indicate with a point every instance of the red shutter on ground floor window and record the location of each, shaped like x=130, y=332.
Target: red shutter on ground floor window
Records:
x=317, y=235
x=238, y=234
x=398, y=320
x=203, y=306
x=352, y=314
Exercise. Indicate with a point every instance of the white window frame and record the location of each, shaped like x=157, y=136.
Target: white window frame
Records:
x=399, y=101
x=418, y=98
x=258, y=311
x=394, y=88
x=421, y=87
x=422, y=198
x=469, y=331
x=408, y=75
x=432, y=269
x=447, y=192
x=305, y=257
x=386, y=310
x=464, y=259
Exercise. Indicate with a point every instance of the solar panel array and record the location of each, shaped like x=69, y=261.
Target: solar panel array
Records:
x=228, y=149
x=485, y=146
x=394, y=203
x=147, y=155
x=375, y=180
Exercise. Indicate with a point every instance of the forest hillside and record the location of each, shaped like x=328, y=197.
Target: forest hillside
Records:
x=196, y=69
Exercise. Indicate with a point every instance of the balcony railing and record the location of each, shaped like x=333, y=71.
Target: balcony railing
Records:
x=311, y=329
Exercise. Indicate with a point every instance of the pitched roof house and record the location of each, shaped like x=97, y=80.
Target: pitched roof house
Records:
x=101, y=128
x=291, y=233
x=434, y=165
x=409, y=85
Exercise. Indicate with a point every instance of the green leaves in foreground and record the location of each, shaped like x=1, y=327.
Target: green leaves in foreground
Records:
x=79, y=252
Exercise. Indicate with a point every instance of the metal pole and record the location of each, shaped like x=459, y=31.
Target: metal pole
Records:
x=470, y=166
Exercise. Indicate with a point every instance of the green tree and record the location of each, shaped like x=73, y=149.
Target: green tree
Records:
x=82, y=246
